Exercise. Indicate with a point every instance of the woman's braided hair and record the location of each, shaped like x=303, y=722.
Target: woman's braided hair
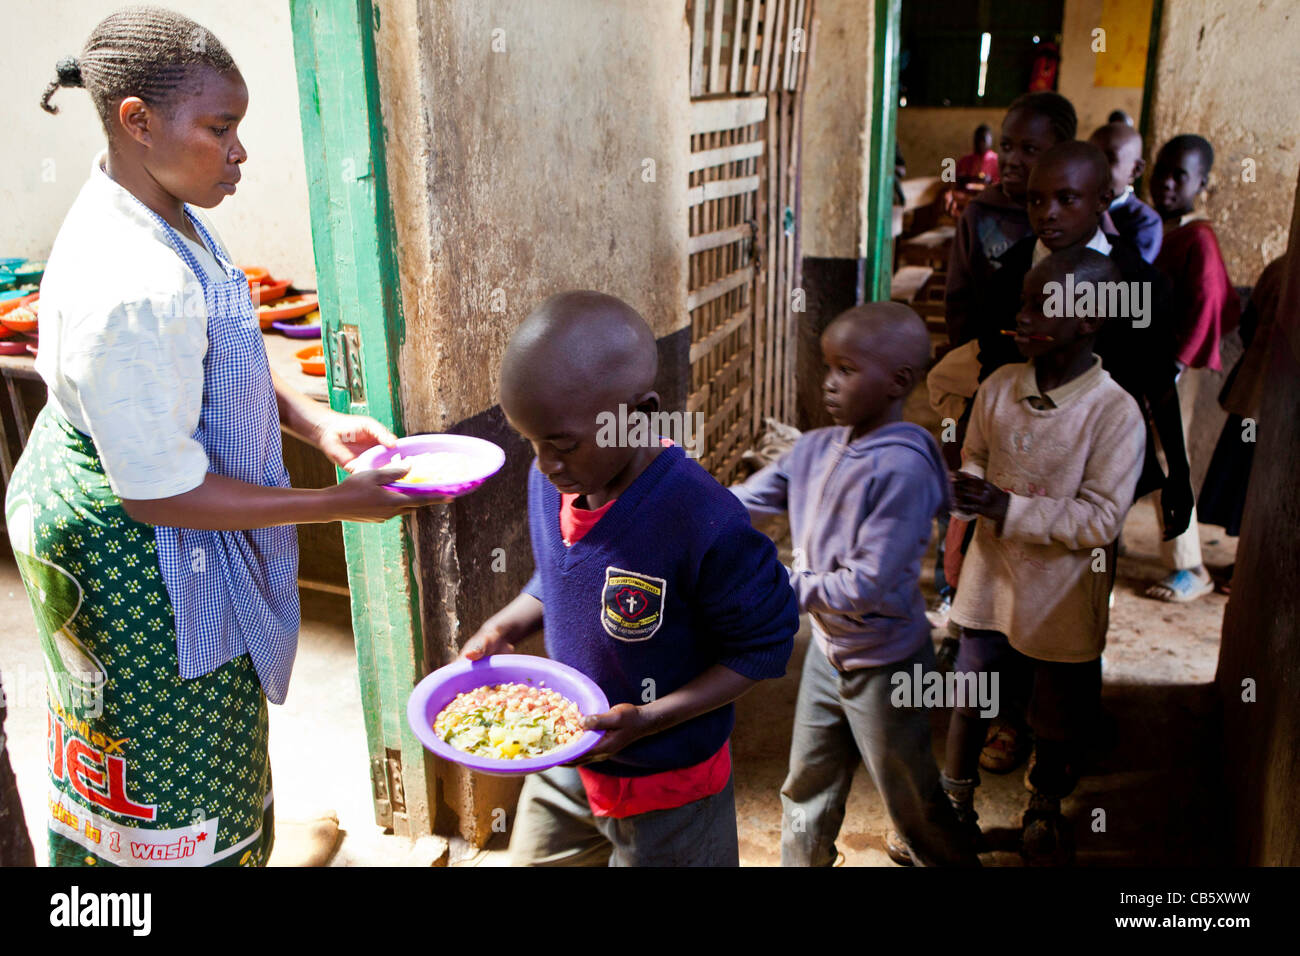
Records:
x=142, y=51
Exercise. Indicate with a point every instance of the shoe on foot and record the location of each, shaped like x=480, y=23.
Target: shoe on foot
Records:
x=897, y=848
x=1004, y=747
x=1181, y=586
x=1045, y=836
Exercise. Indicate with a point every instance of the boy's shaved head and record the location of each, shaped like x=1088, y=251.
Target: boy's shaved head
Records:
x=1076, y=155
x=888, y=330
x=584, y=345
x=578, y=358
x=1118, y=135
x=875, y=354
x=1122, y=146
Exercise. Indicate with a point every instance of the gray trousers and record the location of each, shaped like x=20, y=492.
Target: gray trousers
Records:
x=842, y=719
x=554, y=826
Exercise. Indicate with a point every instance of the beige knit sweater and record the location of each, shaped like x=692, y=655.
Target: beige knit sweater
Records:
x=1071, y=470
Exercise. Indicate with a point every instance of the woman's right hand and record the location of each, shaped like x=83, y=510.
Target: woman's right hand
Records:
x=363, y=497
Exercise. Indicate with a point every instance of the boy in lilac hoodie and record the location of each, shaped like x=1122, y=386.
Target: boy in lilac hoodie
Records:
x=861, y=498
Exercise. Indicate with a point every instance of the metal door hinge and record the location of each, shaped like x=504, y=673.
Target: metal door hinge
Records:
x=345, y=363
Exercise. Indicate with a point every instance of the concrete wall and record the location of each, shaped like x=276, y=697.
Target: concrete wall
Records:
x=47, y=158
x=836, y=131
x=1261, y=628
x=1226, y=71
x=1127, y=26
x=928, y=135
x=516, y=174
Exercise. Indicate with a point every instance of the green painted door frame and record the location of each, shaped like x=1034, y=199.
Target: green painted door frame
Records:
x=357, y=279
x=878, y=272
x=1149, y=80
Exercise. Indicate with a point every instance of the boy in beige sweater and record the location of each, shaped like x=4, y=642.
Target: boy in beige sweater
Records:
x=1050, y=462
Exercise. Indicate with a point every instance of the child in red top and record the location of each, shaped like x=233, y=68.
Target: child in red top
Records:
x=1205, y=302
x=1205, y=307
x=980, y=166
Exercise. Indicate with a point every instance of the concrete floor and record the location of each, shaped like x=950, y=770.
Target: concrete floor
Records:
x=1157, y=786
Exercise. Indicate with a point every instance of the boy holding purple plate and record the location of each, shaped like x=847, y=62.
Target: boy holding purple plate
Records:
x=652, y=582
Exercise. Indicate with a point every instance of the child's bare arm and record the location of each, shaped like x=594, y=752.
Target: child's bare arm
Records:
x=500, y=633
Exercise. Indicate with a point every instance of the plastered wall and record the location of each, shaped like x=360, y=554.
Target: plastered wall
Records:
x=532, y=148
x=1082, y=67
x=1226, y=70
x=928, y=135
x=836, y=134
x=47, y=159
x=522, y=171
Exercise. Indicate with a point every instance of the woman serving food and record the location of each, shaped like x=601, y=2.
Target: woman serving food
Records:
x=151, y=513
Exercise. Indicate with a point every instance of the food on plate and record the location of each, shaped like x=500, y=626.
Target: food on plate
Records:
x=312, y=359
x=21, y=319
x=509, y=721
x=436, y=468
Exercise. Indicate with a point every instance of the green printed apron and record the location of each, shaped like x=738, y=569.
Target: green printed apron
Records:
x=146, y=769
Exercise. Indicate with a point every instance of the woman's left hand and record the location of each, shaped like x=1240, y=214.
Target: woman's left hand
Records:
x=343, y=437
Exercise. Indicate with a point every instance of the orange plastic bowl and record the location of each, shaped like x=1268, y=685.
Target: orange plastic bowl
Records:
x=21, y=319
x=267, y=292
x=294, y=308
x=312, y=359
x=256, y=274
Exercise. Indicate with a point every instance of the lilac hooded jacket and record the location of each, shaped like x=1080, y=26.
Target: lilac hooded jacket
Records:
x=860, y=521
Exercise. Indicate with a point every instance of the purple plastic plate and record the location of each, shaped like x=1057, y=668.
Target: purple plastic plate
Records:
x=440, y=688
x=487, y=458
x=296, y=330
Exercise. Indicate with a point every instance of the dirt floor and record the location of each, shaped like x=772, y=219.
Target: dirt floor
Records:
x=1158, y=786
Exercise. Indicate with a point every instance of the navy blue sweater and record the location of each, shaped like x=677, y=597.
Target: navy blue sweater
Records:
x=671, y=581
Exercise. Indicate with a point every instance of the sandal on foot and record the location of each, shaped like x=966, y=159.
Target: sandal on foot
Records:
x=1004, y=748
x=1181, y=587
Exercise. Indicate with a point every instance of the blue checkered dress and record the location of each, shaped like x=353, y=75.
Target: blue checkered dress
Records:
x=234, y=592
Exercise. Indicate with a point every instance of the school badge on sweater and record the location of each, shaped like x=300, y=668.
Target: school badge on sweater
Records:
x=632, y=604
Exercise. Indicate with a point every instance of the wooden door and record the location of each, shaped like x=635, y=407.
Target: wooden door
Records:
x=748, y=63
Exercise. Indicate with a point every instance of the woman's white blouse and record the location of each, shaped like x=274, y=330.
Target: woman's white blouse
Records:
x=123, y=334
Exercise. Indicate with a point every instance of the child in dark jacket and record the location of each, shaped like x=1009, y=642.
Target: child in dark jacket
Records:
x=654, y=584
x=996, y=218
x=861, y=498
x=1129, y=216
